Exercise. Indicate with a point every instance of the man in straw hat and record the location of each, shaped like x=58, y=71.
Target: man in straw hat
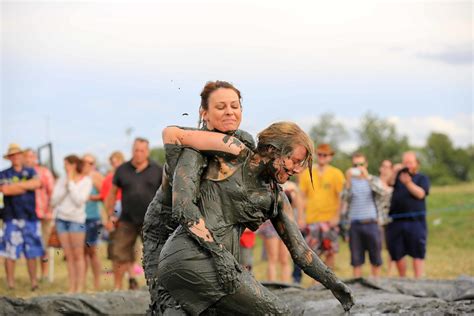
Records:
x=322, y=204
x=22, y=229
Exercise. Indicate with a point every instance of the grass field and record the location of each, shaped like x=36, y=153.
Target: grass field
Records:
x=450, y=248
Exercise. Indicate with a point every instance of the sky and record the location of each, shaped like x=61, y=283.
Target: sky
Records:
x=82, y=73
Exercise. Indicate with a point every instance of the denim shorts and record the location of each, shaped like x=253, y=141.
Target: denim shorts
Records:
x=63, y=226
x=365, y=237
x=93, y=231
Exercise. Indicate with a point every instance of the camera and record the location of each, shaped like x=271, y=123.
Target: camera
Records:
x=355, y=172
x=405, y=170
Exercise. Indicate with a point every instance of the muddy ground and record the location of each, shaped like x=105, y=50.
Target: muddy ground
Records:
x=386, y=296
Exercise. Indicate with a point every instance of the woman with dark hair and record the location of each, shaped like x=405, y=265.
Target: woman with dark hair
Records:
x=220, y=110
x=69, y=198
x=198, y=265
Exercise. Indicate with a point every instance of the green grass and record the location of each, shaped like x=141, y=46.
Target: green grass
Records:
x=450, y=250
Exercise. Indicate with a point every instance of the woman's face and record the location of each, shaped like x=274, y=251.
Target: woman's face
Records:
x=115, y=162
x=89, y=163
x=285, y=167
x=68, y=167
x=224, y=112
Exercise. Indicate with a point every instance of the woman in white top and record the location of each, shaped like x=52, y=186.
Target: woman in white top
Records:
x=70, y=195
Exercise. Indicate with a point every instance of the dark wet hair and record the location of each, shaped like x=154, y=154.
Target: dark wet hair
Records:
x=75, y=160
x=212, y=86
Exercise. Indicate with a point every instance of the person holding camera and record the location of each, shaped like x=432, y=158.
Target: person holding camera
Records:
x=406, y=234
x=361, y=196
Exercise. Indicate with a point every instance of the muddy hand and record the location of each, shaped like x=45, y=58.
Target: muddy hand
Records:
x=344, y=295
x=228, y=271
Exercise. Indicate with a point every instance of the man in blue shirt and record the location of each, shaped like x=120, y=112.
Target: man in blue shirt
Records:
x=406, y=234
x=22, y=229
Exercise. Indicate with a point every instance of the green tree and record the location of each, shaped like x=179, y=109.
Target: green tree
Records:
x=446, y=164
x=379, y=140
x=328, y=130
x=158, y=155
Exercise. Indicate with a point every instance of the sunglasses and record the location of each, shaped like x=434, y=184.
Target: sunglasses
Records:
x=360, y=164
x=323, y=155
x=89, y=162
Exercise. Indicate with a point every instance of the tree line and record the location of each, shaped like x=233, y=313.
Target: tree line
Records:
x=379, y=139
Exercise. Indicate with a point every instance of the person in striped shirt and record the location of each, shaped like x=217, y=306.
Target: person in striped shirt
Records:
x=360, y=198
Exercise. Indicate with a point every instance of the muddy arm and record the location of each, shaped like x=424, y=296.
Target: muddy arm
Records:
x=186, y=183
x=203, y=140
x=305, y=258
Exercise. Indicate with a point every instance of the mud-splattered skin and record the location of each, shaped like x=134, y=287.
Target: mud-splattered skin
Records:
x=198, y=265
x=304, y=257
x=159, y=222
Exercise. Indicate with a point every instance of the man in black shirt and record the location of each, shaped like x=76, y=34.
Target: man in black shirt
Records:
x=407, y=233
x=138, y=179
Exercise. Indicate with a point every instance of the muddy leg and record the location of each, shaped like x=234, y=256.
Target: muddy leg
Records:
x=250, y=298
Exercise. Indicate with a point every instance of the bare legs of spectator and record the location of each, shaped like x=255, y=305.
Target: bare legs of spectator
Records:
x=330, y=260
x=31, y=264
x=73, y=247
x=92, y=259
x=419, y=267
x=375, y=271
x=357, y=272
x=119, y=271
x=277, y=253
x=46, y=225
x=10, y=272
x=390, y=265
x=402, y=267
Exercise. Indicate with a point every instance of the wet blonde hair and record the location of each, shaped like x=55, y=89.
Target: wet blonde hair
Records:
x=284, y=136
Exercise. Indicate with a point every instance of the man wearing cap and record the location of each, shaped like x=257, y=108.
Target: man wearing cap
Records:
x=322, y=204
x=22, y=229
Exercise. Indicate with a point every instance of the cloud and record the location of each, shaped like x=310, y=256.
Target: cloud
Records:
x=417, y=128
x=459, y=128
x=278, y=36
x=461, y=55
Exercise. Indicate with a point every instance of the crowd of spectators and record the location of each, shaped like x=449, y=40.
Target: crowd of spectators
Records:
x=39, y=211
x=83, y=207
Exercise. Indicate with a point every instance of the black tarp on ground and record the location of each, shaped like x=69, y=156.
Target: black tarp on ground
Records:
x=392, y=296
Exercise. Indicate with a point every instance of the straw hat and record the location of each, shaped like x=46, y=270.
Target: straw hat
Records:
x=13, y=149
